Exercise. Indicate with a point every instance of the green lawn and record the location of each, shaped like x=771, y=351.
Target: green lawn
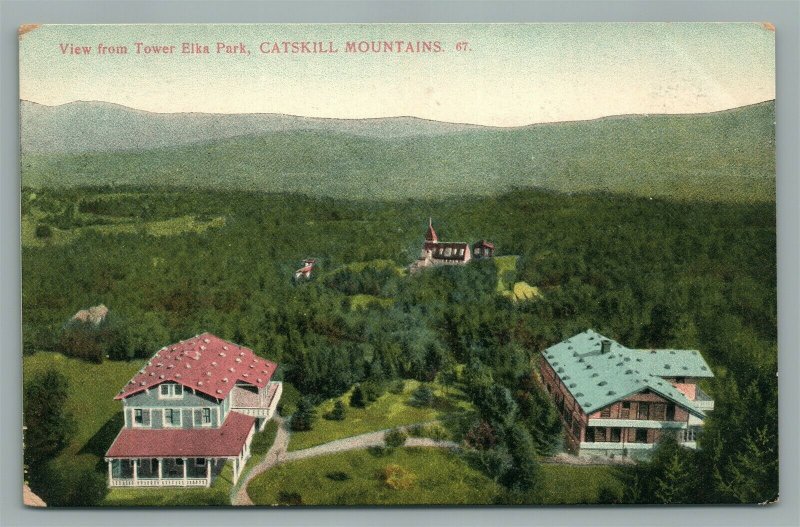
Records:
x=388, y=411
x=566, y=484
x=438, y=478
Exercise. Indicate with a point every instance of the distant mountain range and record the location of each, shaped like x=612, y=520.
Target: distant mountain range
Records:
x=100, y=127
x=722, y=156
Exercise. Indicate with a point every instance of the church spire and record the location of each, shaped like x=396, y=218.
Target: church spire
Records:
x=430, y=235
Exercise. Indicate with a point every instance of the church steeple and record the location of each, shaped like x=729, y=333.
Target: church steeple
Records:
x=431, y=236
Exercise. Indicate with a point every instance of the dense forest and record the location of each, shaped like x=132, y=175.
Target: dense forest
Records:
x=647, y=272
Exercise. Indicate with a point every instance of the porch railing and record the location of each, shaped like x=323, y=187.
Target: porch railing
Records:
x=164, y=482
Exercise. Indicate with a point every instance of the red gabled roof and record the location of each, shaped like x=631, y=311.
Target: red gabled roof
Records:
x=484, y=243
x=226, y=441
x=205, y=363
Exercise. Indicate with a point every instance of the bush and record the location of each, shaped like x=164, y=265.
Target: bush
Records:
x=397, y=478
x=44, y=231
x=397, y=387
x=422, y=396
x=338, y=412
x=289, y=498
x=395, y=438
x=372, y=390
x=338, y=476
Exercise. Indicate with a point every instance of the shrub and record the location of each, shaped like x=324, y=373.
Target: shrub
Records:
x=372, y=390
x=422, y=396
x=395, y=438
x=338, y=412
x=289, y=498
x=397, y=478
x=397, y=387
x=481, y=436
x=338, y=476
x=44, y=231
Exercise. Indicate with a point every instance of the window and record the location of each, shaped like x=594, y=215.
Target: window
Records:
x=179, y=461
x=670, y=411
x=599, y=435
x=200, y=461
x=625, y=411
x=141, y=417
x=478, y=251
x=641, y=435
x=605, y=412
x=170, y=391
x=680, y=380
x=643, y=411
x=172, y=417
x=461, y=252
x=616, y=435
x=206, y=416
x=448, y=252
x=658, y=412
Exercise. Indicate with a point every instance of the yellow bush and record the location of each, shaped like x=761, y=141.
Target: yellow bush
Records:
x=397, y=478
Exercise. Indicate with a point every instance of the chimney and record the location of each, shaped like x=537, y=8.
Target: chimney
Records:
x=605, y=346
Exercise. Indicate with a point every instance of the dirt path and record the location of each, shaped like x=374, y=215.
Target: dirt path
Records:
x=274, y=454
x=278, y=454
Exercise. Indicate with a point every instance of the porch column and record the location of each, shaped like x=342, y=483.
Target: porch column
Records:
x=235, y=470
x=135, y=475
x=110, y=476
x=185, y=461
x=159, y=472
x=208, y=472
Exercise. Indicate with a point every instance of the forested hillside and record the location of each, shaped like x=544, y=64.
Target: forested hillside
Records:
x=171, y=263
x=726, y=156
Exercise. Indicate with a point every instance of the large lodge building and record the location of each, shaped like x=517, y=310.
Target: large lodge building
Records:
x=616, y=400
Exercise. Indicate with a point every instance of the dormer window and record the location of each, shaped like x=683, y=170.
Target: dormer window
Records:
x=170, y=391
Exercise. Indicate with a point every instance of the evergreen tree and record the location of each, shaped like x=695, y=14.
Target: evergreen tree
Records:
x=305, y=415
x=48, y=424
x=422, y=396
x=752, y=475
x=357, y=399
x=338, y=412
x=525, y=471
x=674, y=485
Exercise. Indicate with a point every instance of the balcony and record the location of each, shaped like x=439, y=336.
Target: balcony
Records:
x=703, y=401
x=261, y=404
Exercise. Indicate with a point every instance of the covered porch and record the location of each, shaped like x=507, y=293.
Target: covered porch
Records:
x=164, y=472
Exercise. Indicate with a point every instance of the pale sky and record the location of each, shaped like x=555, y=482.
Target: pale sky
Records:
x=512, y=74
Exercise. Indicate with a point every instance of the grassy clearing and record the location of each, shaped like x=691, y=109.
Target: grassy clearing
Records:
x=217, y=494
x=388, y=411
x=363, y=301
x=439, y=477
x=168, y=227
x=504, y=264
x=566, y=484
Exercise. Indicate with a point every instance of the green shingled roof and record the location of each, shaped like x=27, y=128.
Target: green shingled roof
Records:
x=598, y=379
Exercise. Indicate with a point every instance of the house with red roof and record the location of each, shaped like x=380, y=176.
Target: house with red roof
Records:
x=191, y=409
x=617, y=400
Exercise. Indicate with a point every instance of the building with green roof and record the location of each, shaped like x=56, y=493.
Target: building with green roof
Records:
x=617, y=400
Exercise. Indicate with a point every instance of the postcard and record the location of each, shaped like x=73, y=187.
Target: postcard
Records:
x=398, y=264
